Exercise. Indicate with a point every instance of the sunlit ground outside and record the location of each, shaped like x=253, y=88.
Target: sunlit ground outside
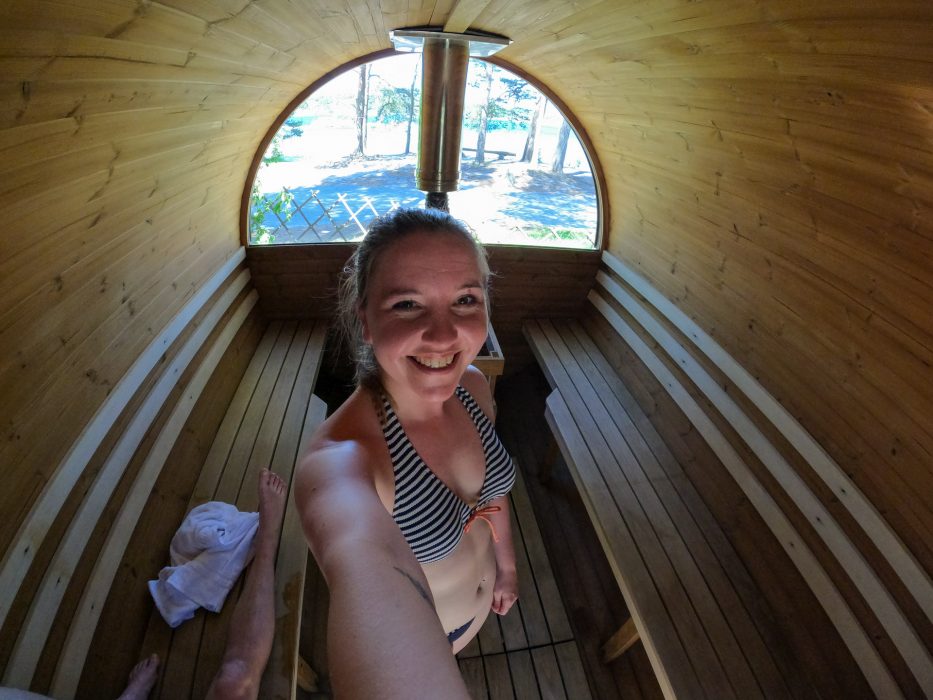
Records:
x=312, y=187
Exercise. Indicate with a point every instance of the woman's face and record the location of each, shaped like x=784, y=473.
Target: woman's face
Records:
x=425, y=314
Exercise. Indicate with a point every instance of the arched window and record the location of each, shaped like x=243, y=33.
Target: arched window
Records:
x=347, y=153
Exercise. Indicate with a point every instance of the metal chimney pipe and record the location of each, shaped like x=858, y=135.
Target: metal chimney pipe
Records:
x=444, y=61
x=443, y=87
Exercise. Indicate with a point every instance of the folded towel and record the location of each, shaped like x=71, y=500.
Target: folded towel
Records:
x=208, y=553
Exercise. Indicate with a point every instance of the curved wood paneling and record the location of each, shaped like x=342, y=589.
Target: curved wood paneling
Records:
x=769, y=167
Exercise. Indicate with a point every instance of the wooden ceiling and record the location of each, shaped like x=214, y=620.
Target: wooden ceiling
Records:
x=769, y=169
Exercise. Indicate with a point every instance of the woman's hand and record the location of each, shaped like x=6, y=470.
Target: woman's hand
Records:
x=505, y=592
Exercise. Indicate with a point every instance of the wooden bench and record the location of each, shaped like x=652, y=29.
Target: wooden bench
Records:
x=73, y=598
x=706, y=628
x=270, y=419
x=682, y=583
x=500, y=154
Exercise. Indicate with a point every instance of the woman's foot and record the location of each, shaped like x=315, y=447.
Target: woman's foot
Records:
x=142, y=679
x=273, y=492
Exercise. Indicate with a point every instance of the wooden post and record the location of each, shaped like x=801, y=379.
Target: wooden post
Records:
x=620, y=642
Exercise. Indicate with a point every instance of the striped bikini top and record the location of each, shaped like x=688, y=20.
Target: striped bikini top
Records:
x=433, y=518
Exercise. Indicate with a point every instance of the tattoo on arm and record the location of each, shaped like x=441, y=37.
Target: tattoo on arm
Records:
x=416, y=584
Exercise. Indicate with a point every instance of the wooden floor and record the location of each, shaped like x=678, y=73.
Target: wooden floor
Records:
x=569, y=604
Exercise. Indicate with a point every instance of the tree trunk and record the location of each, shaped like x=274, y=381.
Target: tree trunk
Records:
x=557, y=165
x=361, y=109
x=411, y=109
x=528, y=152
x=483, y=120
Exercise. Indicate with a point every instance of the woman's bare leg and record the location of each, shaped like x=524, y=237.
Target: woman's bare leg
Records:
x=252, y=626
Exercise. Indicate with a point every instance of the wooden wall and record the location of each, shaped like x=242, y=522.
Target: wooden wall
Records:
x=301, y=282
x=769, y=168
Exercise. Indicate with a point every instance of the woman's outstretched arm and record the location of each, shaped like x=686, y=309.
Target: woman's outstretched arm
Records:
x=384, y=637
x=505, y=591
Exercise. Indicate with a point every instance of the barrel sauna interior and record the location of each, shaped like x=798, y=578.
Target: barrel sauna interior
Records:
x=766, y=168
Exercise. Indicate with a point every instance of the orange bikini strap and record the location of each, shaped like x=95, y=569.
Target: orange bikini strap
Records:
x=483, y=513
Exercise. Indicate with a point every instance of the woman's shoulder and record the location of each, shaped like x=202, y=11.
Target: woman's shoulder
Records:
x=475, y=382
x=351, y=436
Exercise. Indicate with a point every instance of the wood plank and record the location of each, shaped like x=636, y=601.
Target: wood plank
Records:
x=123, y=631
x=712, y=551
x=553, y=606
x=280, y=676
x=620, y=642
x=531, y=629
x=892, y=618
x=490, y=636
x=90, y=335
x=548, y=672
x=463, y=15
x=474, y=677
x=571, y=670
x=615, y=540
x=19, y=555
x=71, y=663
x=498, y=677
x=711, y=593
x=823, y=420
x=471, y=649
x=852, y=633
x=816, y=646
x=848, y=494
x=588, y=588
x=252, y=448
x=177, y=676
x=522, y=672
x=45, y=605
x=690, y=607
x=196, y=656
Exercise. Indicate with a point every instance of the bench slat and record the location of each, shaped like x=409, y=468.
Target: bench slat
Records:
x=270, y=416
x=660, y=640
x=898, y=628
x=19, y=556
x=178, y=648
x=661, y=550
x=84, y=624
x=545, y=582
x=712, y=594
x=281, y=675
x=237, y=485
x=726, y=574
x=571, y=670
x=852, y=633
x=209, y=477
x=886, y=540
x=275, y=443
x=44, y=608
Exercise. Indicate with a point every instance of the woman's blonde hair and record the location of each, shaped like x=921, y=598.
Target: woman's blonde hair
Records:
x=384, y=232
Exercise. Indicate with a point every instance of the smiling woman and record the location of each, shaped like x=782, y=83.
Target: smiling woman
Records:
x=395, y=480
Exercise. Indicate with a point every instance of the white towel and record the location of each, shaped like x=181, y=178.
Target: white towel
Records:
x=208, y=553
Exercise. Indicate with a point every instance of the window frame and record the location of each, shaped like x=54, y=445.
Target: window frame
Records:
x=602, y=195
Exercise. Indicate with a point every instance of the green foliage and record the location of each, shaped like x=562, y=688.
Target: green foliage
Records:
x=393, y=104
x=511, y=99
x=292, y=127
x=281, y=203
x=274, y=152
x=546, y=233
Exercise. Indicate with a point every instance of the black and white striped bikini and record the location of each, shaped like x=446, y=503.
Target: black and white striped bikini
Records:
x=433, y=518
